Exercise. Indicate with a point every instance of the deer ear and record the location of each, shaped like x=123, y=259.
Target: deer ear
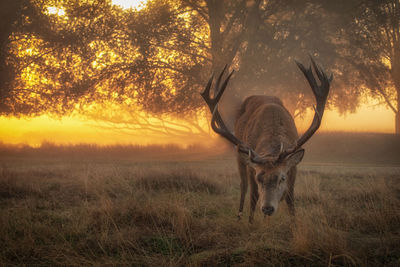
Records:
x=295, y=158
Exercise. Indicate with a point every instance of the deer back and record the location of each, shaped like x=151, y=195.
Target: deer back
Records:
x=264, y=124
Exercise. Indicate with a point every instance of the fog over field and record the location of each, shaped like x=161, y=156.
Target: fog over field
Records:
x=358, y=148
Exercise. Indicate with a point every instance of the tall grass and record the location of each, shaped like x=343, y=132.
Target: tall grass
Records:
x=171, y=213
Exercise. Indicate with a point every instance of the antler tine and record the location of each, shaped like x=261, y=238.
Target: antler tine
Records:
x=206, y=93
x=212, y=102
x=321, y=75
x=217, y=124
x=223, y=87
x=220, y=128
x=321, y=94
x=308, y=74
x=325, y=81
x=219, y=79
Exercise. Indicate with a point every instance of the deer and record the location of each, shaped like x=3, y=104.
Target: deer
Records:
x=267, y=142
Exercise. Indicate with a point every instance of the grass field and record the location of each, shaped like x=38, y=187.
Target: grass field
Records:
x=93, y=211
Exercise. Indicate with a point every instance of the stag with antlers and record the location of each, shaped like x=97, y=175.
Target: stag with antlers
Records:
x=267, y=141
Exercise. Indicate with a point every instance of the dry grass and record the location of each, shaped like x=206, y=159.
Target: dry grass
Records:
x=183, y=213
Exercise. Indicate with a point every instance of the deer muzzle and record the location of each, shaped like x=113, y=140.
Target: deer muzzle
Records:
x=268, y=210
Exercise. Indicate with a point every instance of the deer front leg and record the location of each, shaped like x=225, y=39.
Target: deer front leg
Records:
x=243, y=186
x=253, y=194
x=290, y=203
x=290, y=191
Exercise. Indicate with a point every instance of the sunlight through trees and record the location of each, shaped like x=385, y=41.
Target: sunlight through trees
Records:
x=142, y=68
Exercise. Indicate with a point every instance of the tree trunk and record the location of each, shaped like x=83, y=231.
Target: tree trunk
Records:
x=396, y=79
x=397, y=116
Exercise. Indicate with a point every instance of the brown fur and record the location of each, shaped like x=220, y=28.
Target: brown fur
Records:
x=264, y=124
x=267, y=141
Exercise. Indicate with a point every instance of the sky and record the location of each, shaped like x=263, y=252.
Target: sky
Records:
x=136, y=4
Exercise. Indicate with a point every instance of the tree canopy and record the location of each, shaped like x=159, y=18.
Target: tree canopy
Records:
x=145, y=69
x=370, y=48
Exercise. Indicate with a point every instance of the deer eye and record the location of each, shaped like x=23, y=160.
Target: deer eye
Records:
x=283, y=177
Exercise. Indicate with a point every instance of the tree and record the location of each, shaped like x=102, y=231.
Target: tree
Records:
x=145, y=69
x=97, y=55
x=369, y=47
x=10, y=13
x=261, y=40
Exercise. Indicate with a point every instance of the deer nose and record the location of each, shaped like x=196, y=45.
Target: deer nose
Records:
x=268, y=210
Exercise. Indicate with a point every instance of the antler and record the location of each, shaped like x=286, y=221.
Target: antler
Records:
x=321, y=94
x=217, y=124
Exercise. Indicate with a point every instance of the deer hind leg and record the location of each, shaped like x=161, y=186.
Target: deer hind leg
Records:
x=290, y=191
x=253, y=193
x=243, y=186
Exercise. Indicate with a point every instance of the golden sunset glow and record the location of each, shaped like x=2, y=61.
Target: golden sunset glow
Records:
x=68, y=130
x=366, y=119
x=108, y=56
x=56, y=11
x=76, y=130
x=135, y=4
